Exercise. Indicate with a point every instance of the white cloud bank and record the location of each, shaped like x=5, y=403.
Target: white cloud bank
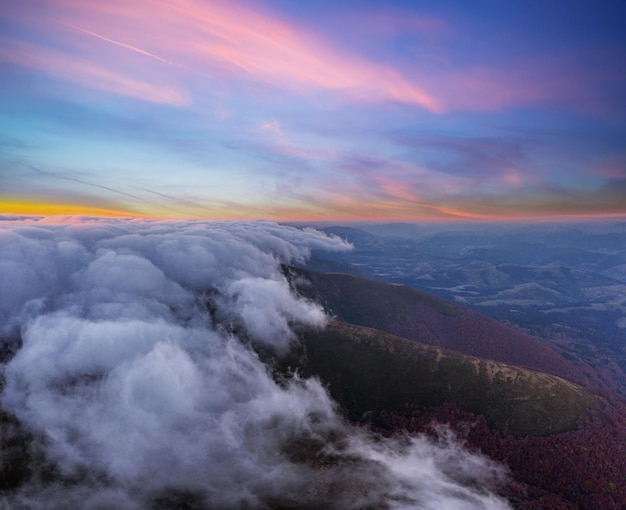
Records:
x=138, y=383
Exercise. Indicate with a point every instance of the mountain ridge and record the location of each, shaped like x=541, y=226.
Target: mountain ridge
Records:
x=369, y=371
x=416, y=315
x=577, y=463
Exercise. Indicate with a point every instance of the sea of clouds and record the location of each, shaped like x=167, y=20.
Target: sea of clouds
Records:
x=132, y=366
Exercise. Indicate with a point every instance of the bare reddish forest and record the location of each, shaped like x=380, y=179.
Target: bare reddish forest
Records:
x=584, y=469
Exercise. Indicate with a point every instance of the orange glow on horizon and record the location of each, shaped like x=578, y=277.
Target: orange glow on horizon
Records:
x=298, y=215
x=52, y=209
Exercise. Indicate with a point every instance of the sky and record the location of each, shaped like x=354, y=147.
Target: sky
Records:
x=314, y=110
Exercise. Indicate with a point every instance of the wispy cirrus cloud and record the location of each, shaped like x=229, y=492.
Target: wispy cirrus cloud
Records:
x=611, y=166
x=282, y=144
x=87, y=72
x=495, y=163
x=227, y=39
x=549, y=201
x=236, y=43
x=555, y=81
x=235, y=109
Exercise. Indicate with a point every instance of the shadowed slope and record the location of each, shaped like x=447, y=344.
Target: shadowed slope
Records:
x=416, y=315
x=368, y=371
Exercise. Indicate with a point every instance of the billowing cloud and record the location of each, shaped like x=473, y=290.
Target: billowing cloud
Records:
x=136, y=377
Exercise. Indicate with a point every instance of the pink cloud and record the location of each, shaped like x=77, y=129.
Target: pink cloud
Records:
x=220, y=38
x=385, y=178
x=187, y=42
x=282, y=144
x=84, y=72
x=555, y=80
x=612, y=166
x=280, y=53
x=362, y=207
x=387, y=22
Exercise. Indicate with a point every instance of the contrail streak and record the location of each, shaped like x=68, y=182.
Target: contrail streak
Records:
x=100, y=186
x=122, y=45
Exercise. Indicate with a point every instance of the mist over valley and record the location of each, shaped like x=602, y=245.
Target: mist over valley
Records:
x=153, y=364
x=139, y=372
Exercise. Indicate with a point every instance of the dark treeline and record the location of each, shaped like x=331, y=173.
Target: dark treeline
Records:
x=584, y=469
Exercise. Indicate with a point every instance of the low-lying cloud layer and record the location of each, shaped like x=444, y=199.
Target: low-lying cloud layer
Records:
x=136, y=378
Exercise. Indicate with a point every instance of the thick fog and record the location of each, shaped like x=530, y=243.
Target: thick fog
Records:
x=132, y=365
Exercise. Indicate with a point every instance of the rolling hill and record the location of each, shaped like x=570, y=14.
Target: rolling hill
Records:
x=368, y=371
x=565, y=445
x=416, y=315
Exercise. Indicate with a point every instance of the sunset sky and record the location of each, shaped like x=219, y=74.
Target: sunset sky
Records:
x=314, y=110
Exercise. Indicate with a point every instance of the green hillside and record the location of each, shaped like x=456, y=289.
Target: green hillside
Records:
x=368, y=371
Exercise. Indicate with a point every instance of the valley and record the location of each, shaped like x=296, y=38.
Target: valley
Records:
x=174, y=366
x=562, y=283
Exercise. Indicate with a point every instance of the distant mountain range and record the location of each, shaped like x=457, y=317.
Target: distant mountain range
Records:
x=563, y=283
